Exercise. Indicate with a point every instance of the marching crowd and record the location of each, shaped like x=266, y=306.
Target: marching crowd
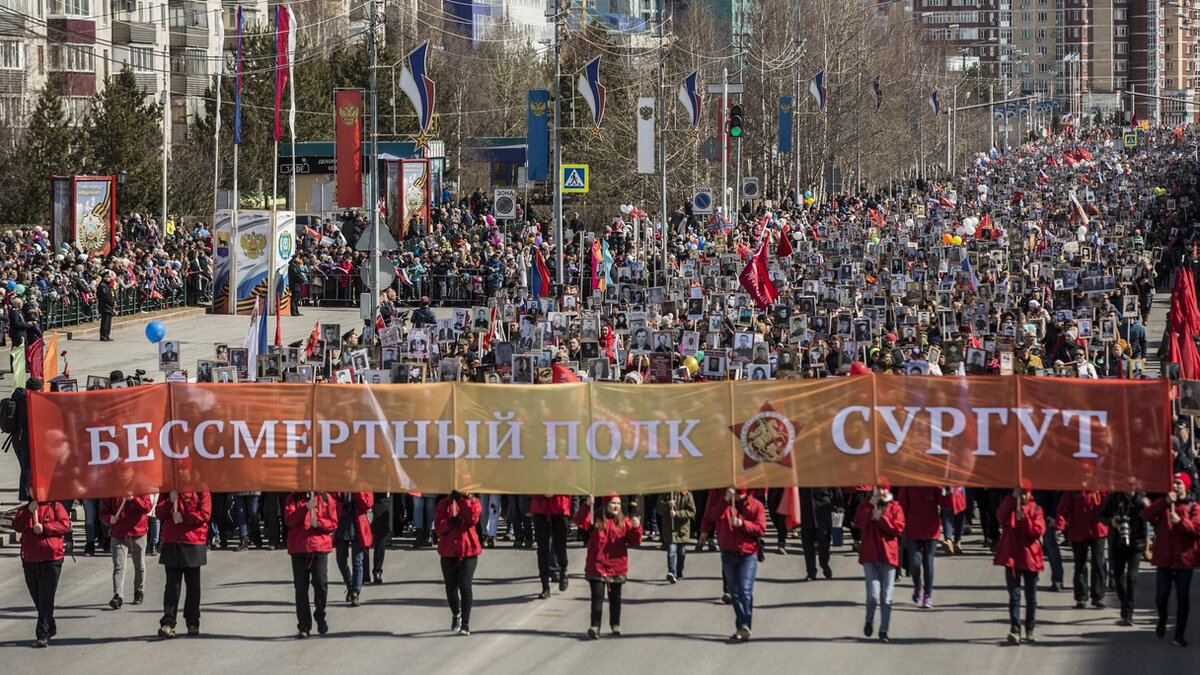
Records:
x=1042, y=260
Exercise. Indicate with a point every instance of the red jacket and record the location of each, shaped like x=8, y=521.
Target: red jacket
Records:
x=1020, y=544
x=954, y=498
x=457, y=537
x=550, y=505
x=1177, y=545
x=608, y=548
x=880, y=541
x=134, y=520
x=362, y=502
x=47, y=546
x=922, y=519
x=303, y=537
x=742, y=539
x=1079, y=515
x=196, y=509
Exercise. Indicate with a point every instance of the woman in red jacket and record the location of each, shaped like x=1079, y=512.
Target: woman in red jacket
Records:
x=953, y=505
x=1079, y=516
x=1176, y=518
x=739, y=521
x=922, y=528
x=610, y=534
x=881, y=521
x=454, y=520
x=550, y=515
x=42, y=528
x=128, y=522
x=311, y=520
x=185, y=517
x=1019, y=552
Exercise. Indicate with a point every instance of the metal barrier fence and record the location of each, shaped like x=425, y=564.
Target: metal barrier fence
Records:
x=59, y=312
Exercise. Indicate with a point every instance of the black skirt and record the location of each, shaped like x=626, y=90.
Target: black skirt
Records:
x=183, y=556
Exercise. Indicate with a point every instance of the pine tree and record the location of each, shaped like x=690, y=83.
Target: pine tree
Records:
x=124, y=132
x=48, y=148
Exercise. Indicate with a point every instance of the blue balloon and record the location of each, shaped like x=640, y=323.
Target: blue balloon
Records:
x=155, y=331
x=11, y=284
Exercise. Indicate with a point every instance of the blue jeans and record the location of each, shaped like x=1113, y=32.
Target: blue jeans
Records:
x=245, y=511
x=676, y=557
x=1053, y=556
x=353, y=578
x=881, y=581
x=423, y=507
x=1014, y=579
x=491, y=514
x=920, y=562
x=518, y=522
x=91, y=519
x=155, y=533
x=1183, y=583
x=741, y=569
x=952, y=524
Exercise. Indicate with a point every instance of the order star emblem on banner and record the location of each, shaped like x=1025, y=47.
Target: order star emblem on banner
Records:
x=767, y=436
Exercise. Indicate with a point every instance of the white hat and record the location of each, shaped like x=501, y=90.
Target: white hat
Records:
x=1034, y=303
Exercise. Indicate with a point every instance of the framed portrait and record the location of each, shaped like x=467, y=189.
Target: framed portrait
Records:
x=64, y=385
x=449, y=370
x=343, y=376
x=269, y=365
x=713, y=367
x=523, y=369
x=225, y=375
x=168, y=355
x=96, y=383
x=239, y=360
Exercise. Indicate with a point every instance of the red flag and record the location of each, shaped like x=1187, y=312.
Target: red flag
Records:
x=348, y=147
x=756, y=281
x=1134, y=121
x=278, y=322
x=1081, y=153
x=789, y=505
x=784, y=248
x=562, y=374
x=379, y=324
x=1178, y=131
x=35, y=354
x=285, y=47
x=312, y=339
x=542, y=278
x=1051, y=161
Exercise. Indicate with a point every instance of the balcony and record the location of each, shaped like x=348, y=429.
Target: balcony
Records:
x=191, y=85
x=134, y=32
x=11, y=24
x=195, y=38
x=147, y=82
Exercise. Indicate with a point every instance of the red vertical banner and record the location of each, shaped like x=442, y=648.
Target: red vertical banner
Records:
x=347, y=104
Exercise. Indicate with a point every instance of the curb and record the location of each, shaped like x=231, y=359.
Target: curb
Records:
x=90, y=330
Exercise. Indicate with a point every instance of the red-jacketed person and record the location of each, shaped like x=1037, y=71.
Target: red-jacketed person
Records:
x=922, y=528
x=454, y=521
x=738, y=525
x=1176, y=518
x=42, y=528
x=185, y=517
x=1019, y=552
x=1079, y=517
x=881, y=520
x=610, y=536
x=312, y=519
x=550, y=515
x=128, y=522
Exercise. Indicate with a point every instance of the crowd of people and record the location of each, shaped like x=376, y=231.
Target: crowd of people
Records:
x=1042, y=260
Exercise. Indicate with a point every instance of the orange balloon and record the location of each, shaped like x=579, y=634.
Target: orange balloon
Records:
x=947, y=238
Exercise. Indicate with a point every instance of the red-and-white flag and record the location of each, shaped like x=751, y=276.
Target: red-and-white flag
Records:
x=312, y=340
x=756, y=280
x=285, y=54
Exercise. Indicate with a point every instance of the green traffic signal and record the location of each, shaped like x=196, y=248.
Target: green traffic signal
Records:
x=735, y=121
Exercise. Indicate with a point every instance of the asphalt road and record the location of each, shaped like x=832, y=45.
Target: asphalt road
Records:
x=248, y=619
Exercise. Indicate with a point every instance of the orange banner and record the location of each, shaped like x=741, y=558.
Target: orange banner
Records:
x=589, y=438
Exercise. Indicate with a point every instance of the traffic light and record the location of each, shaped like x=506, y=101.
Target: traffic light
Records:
x=735, y=121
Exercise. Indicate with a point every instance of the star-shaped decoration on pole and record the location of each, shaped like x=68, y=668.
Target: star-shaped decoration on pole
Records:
x=767, y=436
x=693, y=132
x=595, y=131
x=422, y=139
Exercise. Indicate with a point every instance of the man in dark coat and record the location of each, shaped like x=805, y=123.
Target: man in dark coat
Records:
x=106, y=301
x=817, y=506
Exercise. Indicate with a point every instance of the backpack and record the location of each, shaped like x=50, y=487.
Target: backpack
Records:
x=8, y=416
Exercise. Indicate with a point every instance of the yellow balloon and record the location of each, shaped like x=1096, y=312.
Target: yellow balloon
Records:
x=691, y=364
x=957, y=240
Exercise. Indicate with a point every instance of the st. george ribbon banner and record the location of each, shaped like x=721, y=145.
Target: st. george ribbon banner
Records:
x=594, y=438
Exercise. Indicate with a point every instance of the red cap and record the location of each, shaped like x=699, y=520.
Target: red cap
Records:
x=1026, y=485
x=859, y=368
x=892, y=337
x=1185, y=479
x=884, y=482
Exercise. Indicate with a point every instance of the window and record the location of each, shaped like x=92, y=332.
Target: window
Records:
x=1043, y=67
x=76, y=108
x=12, y=55
x=72, y=58
x=197, y=62
x=1041, y=51
x=141, y=59
x=1118, y=15
x=189, y=15
x=1119, y=66
x=11, y=113
x=69, y=7
x=1042, y=17
x=1120, y=48
x=1024, y=33
x=1121, y=31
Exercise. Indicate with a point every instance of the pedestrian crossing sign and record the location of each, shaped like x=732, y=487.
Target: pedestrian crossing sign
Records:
x=575, y=178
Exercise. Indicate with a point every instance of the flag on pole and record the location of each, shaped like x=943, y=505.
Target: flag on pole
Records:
x=816, y=87
x=598, y=282
x=966, y=267
x=607, y=259
x=539, y=276
x=237, y=91
x=755, y=278
x=784, y=248
x=875, y=86
x=220, y=69
x=285, y=51
x=593, y=93
x=1078, y=208
x=933, y=103
x=645, y=135
x=379, y=324
x=313, y=337
x=278, y=320
x=256, y=337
